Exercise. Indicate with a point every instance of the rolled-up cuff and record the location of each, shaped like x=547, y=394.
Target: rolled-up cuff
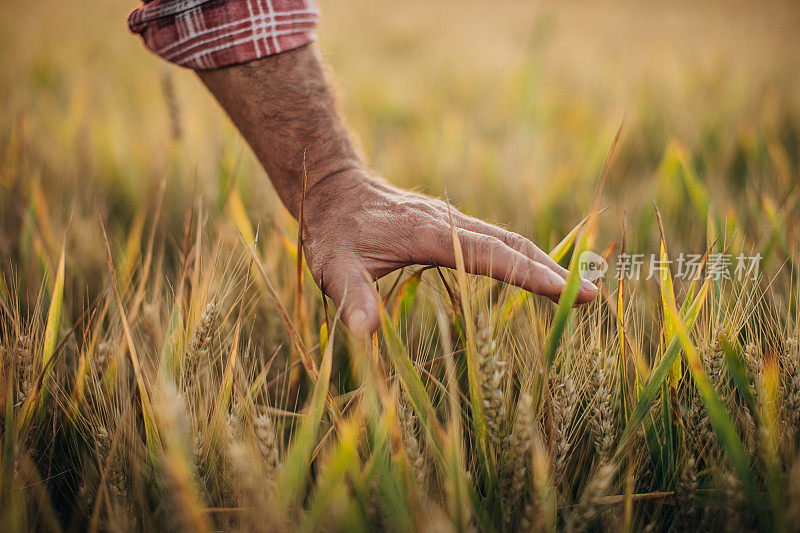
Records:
x=208, y=34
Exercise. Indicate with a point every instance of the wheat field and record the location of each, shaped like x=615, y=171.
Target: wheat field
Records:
x=165, y=364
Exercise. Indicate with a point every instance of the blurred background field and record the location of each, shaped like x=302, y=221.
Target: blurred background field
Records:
x=483, y=98
x=509, y=105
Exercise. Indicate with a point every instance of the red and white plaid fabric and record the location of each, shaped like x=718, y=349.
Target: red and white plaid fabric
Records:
x=207, y=34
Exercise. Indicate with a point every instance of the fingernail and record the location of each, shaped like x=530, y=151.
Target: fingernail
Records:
x=588, y=286
x=555, y=279
x=358, y=324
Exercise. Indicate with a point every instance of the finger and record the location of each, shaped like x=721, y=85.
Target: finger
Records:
x=517, y=242
x=488, y=256
x=350, y=290
x=588, y=290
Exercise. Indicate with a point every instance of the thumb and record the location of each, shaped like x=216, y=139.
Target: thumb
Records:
x=352, y=293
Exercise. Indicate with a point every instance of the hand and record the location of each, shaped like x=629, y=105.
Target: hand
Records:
x=355, y=225
x=358, y=229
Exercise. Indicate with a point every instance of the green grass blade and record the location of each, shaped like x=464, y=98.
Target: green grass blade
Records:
x=779, y=231
x=292, y=480
x=565, y=303
x=667, y=292
x=720, y=420
x=659, y=376
x=560, y=251
x=475, y=393
x=341, y=461
x=456, y=480
x=297, y=341
x=557, y=254
x=7, y=491
x=406, y=297
x=151, y=429
x=418, y=396
x=736, y=368
x=169, y=363
x=53, y=318
x=667, y=423
x=693, y=285
x=697, y=190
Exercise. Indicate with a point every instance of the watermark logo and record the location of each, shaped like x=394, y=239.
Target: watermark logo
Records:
x=717, y=266
x=592, y=266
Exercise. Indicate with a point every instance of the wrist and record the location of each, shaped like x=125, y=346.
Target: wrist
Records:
x=337, y=189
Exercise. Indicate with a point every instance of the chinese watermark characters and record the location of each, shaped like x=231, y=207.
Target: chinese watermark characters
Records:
x=718, y=266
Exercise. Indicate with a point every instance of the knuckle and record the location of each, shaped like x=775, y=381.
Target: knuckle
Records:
x=518, y=242
x=480, y=244
x=428, y=233
x=513, y=239
x=487, y=241
x=440, y=206
x=419, y=206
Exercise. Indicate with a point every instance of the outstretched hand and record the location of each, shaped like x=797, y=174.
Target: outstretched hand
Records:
x=358, y=229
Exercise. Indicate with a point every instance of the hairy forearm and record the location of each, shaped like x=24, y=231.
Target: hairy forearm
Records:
x=284, y=107
x=356, y=227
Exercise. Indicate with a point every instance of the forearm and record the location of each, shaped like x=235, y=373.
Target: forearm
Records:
x=356, y=227
x=284, y=107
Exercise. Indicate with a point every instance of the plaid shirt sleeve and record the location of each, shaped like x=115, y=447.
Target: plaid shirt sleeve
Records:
x=208, y=34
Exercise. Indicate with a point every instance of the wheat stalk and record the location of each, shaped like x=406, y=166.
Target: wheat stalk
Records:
x=492, y=372
x=267, y=443
x=533, y=518
x=248, y=489
x=200, y=340
x=685, y=491
x=101, y=359
x=565, y=397
x=603, y=408
x=24, y=367
x=791, y=388
x=714, y=362
x=151, y=323
x=115, y=479
x=792, y=516
x=411, y=444
x=582, y=516
x=179, y=474
x=171, y=100
x=515, y=459
x=737, y=513
x=541, y=499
